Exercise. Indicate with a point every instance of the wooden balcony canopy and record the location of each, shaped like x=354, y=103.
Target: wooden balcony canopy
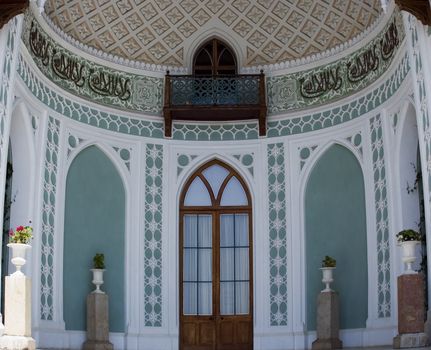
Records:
x=215, y=98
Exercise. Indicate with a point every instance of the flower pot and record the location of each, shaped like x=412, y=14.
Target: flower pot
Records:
x=408, y=255
x=18, y=256
x=327, y=278
x=97, y=280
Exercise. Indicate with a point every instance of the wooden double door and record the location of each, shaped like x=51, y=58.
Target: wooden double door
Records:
x=216, y=280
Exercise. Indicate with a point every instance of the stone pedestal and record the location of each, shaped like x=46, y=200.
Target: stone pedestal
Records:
x=328, y=324
x=97, y=323
x=411, y=312
x=17, y=331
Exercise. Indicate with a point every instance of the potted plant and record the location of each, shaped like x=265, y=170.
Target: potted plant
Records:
x=18, y=243
x=328, y=265
x=98, y=269
x=408, y=239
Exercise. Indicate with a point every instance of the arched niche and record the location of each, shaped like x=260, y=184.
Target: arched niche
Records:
x=409, y=165
x=410, y=180
x=21, y=187
x=335, y=225
x=94, y=222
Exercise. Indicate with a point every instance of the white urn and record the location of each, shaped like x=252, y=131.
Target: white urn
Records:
x=327, y=278
x=18, y=256
x=408, y=255
x=97, y=280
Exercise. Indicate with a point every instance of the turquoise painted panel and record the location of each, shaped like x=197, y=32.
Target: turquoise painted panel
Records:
x=277, y=203
x=153, y=263
x=94, y=223
x=48, y=215
x=382, y=218
x=335, y=225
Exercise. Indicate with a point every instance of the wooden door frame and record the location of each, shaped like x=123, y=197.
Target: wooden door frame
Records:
x=215, y=210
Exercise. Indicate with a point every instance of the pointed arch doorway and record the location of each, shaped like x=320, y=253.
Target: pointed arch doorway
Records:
x=215, y=253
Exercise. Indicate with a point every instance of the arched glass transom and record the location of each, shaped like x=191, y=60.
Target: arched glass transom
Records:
x=215, y=185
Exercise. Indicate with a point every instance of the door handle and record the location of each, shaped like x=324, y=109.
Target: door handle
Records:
x=221, y=318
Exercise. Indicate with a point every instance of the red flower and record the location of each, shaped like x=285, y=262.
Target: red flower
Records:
x=20, y=228
x=10, y=232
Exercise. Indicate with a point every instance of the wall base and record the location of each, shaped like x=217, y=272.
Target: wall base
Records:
x=276, y=338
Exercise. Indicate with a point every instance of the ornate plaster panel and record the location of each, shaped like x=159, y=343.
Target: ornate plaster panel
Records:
x=162, y=31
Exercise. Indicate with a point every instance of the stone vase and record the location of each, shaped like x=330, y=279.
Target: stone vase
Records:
x=18, y=256
x=408, y=255
x=97, y=280
x=327, y=278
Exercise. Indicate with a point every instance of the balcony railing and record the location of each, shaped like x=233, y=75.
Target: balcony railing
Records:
x=215, y=98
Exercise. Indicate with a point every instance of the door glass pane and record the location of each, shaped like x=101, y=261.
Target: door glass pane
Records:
x=226, y=230
x=234, y=264
x=197, y=265
x=205, y=299
x=227, y=306
x=241, y=229
x=190, y=298
x=190, y=230
x=226, y=263
x=241, y=264
x=204, y=265
x=190, y=264
x=242, y=297
x=205, y=231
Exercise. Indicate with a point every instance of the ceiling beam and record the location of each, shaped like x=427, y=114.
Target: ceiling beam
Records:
x=10, y=9
x=419, y=8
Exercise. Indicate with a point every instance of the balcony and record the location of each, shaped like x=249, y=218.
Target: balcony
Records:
x=215, y=98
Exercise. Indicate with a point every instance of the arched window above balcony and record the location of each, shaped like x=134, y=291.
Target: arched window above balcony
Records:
x=215, y=92
x=214, y=58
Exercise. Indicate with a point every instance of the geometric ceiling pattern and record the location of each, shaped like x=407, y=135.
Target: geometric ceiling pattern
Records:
x=161, y=31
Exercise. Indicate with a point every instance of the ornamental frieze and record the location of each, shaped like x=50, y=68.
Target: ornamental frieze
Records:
x=90, y=80
x=300, y=90
x=338, y=79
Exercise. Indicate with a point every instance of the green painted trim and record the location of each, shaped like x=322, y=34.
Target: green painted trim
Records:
x=153, y=301
x=278, y=274
x=48, y=220
x=382, y=219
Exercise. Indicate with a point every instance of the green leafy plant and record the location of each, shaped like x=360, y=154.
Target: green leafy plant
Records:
x=408, y=235
x=99, y=261
x=22, y=234
x=329, y=262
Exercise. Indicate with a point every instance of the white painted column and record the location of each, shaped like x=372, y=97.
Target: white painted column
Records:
x=9, y=46
x=419, y=49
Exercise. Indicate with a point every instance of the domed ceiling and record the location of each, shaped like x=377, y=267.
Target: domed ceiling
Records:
x=162, y=31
